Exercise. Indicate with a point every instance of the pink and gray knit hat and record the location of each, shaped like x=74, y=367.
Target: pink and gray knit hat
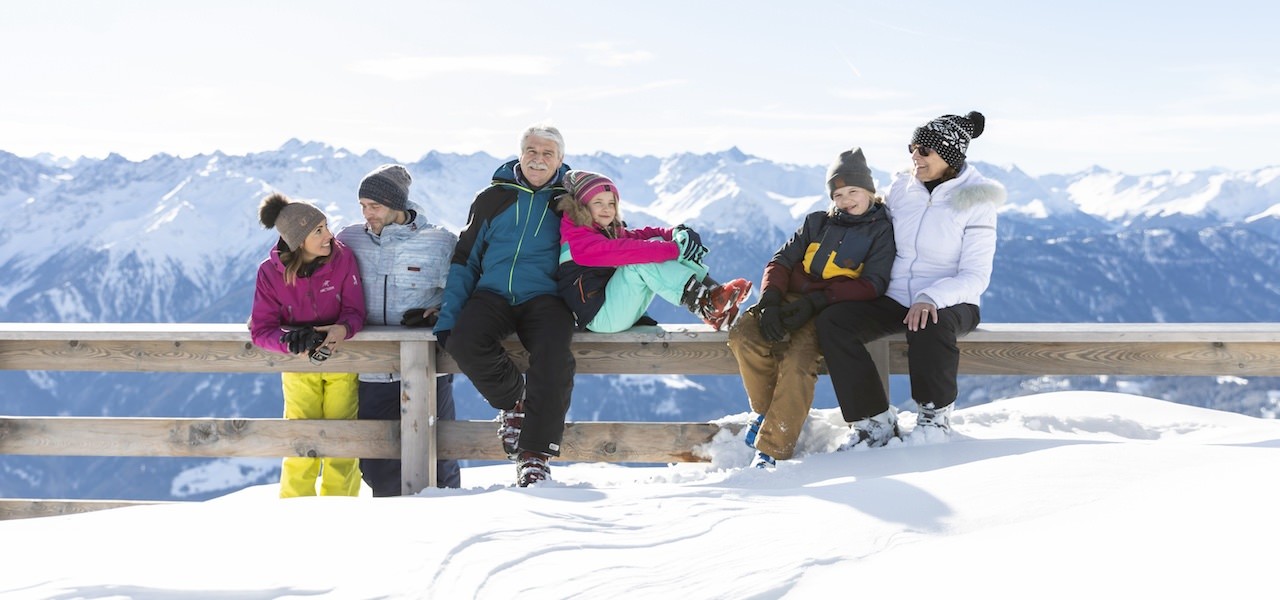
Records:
x=585, y=185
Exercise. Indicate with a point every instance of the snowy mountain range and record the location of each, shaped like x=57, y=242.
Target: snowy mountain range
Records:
x=172, y=239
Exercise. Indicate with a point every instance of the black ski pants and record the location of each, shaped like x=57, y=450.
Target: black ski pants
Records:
x=381, y=401
x=933, y=357
x=545, y=327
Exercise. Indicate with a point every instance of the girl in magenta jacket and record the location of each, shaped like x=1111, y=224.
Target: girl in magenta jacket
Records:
x=609, y=274
x=308, y=300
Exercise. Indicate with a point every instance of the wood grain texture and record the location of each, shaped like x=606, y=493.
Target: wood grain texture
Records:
x=596, y=441
x=26, y=508
x=116, y=436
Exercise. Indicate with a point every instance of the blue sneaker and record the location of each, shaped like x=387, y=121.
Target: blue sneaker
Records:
x=753, y=429
x=763, y=461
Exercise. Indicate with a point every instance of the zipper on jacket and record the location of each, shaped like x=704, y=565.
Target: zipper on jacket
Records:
x=385, y=279
x=541, y=219
x=511, y=276
x=911, y=270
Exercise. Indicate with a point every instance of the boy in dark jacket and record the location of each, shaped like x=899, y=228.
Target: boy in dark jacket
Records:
x=844, y=254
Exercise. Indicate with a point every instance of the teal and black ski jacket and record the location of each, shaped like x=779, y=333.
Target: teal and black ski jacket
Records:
x=510, y=246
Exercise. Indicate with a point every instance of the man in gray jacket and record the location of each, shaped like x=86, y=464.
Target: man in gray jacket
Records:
x=404, y=261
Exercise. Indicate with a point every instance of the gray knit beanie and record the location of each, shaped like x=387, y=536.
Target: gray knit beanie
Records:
x=387, y=185
x=293, y=220
x=850, y=169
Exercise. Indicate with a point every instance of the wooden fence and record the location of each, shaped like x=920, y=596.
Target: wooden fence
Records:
x=1210, y=349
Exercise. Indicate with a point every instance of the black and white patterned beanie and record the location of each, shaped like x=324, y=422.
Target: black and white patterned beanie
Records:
x=387, y=185
x=949, y=136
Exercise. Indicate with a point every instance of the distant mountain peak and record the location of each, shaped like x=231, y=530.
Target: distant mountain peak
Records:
x=736, y=154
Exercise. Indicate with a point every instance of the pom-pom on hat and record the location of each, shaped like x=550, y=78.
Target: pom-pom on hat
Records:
x=294, y=220
x=585, y=185
x=387, y=185
x=850, y=168
x=949, y=136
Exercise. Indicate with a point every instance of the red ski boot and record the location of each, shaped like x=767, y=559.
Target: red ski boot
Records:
x=718, y=305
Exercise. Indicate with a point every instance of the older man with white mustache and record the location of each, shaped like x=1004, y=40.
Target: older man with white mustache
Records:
x=502, y=281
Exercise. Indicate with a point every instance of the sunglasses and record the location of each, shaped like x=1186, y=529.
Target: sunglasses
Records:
x=924, y=151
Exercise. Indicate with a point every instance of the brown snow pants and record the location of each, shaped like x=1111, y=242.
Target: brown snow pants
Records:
x=779, y=378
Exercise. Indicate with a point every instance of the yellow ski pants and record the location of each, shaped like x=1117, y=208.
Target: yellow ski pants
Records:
x=319, y=396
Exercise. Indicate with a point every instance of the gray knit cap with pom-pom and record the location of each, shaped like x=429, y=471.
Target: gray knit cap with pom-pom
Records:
x=294, y=220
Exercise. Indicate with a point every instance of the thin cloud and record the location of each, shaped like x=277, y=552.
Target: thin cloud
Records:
x=606, y=55
x=870, y=94
x=876, y=118
x=408, y=68
x=614, y=92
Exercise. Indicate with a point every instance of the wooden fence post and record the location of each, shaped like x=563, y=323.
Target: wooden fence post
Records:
x=879, y=351
x=417, y=416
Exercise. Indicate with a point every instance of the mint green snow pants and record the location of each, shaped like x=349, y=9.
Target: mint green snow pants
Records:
x=631, y=290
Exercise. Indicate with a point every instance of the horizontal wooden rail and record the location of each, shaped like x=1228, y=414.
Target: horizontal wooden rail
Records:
x=116, y=436
x=597, y=441
x=1207, y=349
x=26, y=508
x=1244, y=349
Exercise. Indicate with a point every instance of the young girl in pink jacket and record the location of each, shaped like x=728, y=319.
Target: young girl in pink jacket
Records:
x=609, y=274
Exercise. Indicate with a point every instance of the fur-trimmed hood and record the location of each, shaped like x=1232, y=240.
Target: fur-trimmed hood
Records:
x=979, y=193
x=974, y=189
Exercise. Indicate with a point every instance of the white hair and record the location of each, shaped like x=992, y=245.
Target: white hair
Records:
x=544, y=131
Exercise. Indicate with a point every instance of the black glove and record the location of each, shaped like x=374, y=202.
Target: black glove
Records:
x=771, y=327
x=693, y=235
x=417, y=317
x=299, y=340
x=691, y=251
x=818, y=300
x=795, y=314
x=441, y=336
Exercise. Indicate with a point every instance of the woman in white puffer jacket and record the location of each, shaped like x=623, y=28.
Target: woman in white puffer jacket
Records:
x=944, y=222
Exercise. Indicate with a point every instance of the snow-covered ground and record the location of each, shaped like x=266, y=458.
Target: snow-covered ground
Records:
x=1063, y=495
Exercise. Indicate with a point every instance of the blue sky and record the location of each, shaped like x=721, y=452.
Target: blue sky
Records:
x=1138, y=87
